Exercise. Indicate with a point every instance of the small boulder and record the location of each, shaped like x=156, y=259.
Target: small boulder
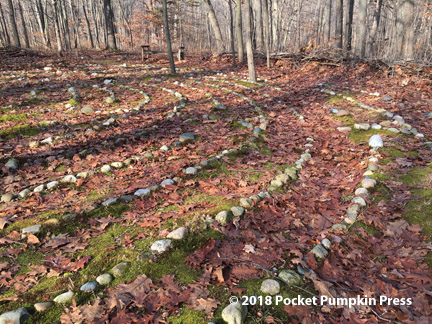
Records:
x=290, y=277
x=87, y=110
x=161, y=246
x=319, y=252
x=361, y=192
x=41, y=307
x=237, y=211
x=270, y=286
x=64, y=298
x=344, y=129
x=24, y=193
x=110, y=202
x=224, y=217
x=105, y=168
x=178, y=234
x=191, y=171
x=142, y=192
x=187, y=138
x=234, y=313
x=17, y=316
x=359, y=201
x=31, y=229
x=104, y=279
x=376, y=142
x=8, y=197
x=89, y=286
x=118, y=269
x=167, y=182
x=246, y=202
x=52, y=185
x=362, y=126
x=12, y=164
x=69, y=179
x=368, y=183
x=117, y=165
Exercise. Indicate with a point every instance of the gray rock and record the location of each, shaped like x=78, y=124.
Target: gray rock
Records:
x=164, y=148
x=257, y=132
x=31, y=229
x=368, y=183
x=142, y=192
x=64, y=298
x=104, y=279
x=17, y=316
x=83, y=175
x=87, y=110
x=120, y=141
x=270, y=286
x=376, y=142
x=69, y=217
x=291, y=172
x=191, y=171
x=361, y=192
x=326, y=243
x=117, y=165
x=385, y=123
x=373, y=167
x=161, y=246
x=127, y=198
x=69, y=179
x=359, y=201
x=110, y=100
x=24, y=194
x=362, y=126
x=234, y=313
x=12, y=164
x=119, y=268
x=187, y=138
x=167, y=182
x=89, y=286
x=386, y=98
x=52, y=185
x=48, y=141
x=246, y=202
x=237, y=211
x=178, y=234
x=393, y=130
x=376, y=126
x=41, y=307
x=319, y=252
x=110, y=202
x=8, y=197
x=290, y=277
x=224, y=217
x=340, y=226
x=344, y=129
x=105, y=168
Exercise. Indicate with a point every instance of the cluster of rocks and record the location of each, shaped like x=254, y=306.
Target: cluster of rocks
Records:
x=181, y=104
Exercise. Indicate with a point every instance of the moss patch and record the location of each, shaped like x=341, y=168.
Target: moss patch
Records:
x=25, y=130
x=13, y=118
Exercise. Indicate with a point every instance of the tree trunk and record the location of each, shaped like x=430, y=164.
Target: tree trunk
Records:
x=57, y=28
x=109, y=25
x=327, y=20
x=267, y=32
x=24, y=26
x=375, y=25
x=90, y=36
x=3, y=26
x=239, y=31
x=362, y=27
x=339, y=24
x=249, y=49
x=350, y=25
x=406, y=14
x=12, y=22
x=220, y=48
x=232, y=31
x=168, y=37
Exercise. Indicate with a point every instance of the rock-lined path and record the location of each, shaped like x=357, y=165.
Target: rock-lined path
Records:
x=168, y=195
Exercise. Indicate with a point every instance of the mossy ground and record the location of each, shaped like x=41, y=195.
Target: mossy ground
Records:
x=24, y=130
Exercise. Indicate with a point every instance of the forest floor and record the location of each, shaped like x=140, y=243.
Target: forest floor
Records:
x=103, y=156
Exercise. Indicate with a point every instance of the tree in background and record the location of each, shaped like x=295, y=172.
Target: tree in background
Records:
x=168, y=37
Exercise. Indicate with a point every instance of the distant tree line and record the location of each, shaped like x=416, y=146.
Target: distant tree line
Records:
x=390, y=30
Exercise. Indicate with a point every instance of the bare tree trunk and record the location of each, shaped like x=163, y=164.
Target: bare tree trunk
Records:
x=220, y=48
x=350, y=25
x=239, y=31
x=12, y=22
x=57, y=28
x=375, y=25
x=3, y=27
x=267, y=32
x=90, y=36
x=232, y=31
x=42, y=23
x=168, y=37
x=249, y=49
x=109, y=25
x=362, y=27
x=339, y=23
x=24, y=26
x=406, y=14
x=327, y=20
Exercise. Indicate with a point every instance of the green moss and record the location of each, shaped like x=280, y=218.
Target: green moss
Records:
x=369, y=229
x=59, y=168
x=416, y=176
x=187, y=316
x=395, y=153
x=74, y=102
x=114, y=210
x=25, y=130
x=14, y=118
x=248, y=84
x=27, y=258
x=362, y=136
x=347, y=120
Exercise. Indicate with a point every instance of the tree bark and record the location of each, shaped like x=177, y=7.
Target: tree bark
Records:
x=89, y=32
x=3, y=26
x=109, y=25
x=57, y=28
x=232, y=31
x=24, y=26
x=220, y=48
x=362, y=27
x=267, y=32
x=327, y=20
x=249, y=49
x=375, y=26
x=339, y=24
x=12, y=22
x=350, y=25
x=239, y=31
x=407, y=15
x=168, y=37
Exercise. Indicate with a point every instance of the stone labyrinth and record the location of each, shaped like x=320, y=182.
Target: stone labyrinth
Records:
x=129, y=195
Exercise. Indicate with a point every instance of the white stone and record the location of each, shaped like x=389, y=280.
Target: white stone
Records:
x=109, y=202
x=237, y=211
x=376, y=126
x=290, y=277
x=167, y=182
x=223, y=217
x=326, y=243
x=164, y=148
x=142, y=192
x=89, y=286
x=178, y=234
x=376, y=142
x=64, y=298
x=43, y=306
x=24, y=193
x=319, y=251
x=104, y=279
x=270, y=286
x=117, y=165
x=48, y=140
x=52, y=185
x=17, y=316
x=69, y=179
x=246, y=202
x=344, y=129
x=191, y=171
x=161, y=246
x=361, y=192
x=359, y=201
x=234, y=313
x=105, y=168
x=368, y=183
x=363, y=126
x=39, y=188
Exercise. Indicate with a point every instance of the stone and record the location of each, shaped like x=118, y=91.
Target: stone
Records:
x=164, y=148
x=109, y=202
x=33, y=144
x=52, y=185
x=24, y=193
x=52, y=221
x=342, y=113
x=385, y=123
x=69, y=179
x=69, y=217
x=237, y=211
x=234, y=313
x=7, y=197
x=105, y=168
x=178, y=234
x=359, y=201
x=393, y=130
x=362, y=126
x=142, y=192
x=12, y=164
x=326, y=243
x=31, y=229
x=161, y=246
x=191, y=171
x=167, y=182
x=187, y=138
x=373, y=159
x=368, y=173
x=120, y=141
x=339, y=227
x=361, y=192
x=405, y=131
x=118, y=269
x=89, y=286
x=291, y=172
x=257, y=131
x=41, y=307
x=270, y=286
x=82, y=175
x=376, y=142
x=224, y=217
x=127, y=198
x=319, y=252
x=246, y=202
x=344, y=129
x=419, y=135
x=117, y=165
x=87, y=110
x=376, y=126
x=276, y=183
x=145, y=256
x=17, y=316
x=104, y=279
x=64, y=298
x=368, y=183
x=373, y=167
x=110, y=100
x=47, y=140
x=290, y=277
x=386, y=98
